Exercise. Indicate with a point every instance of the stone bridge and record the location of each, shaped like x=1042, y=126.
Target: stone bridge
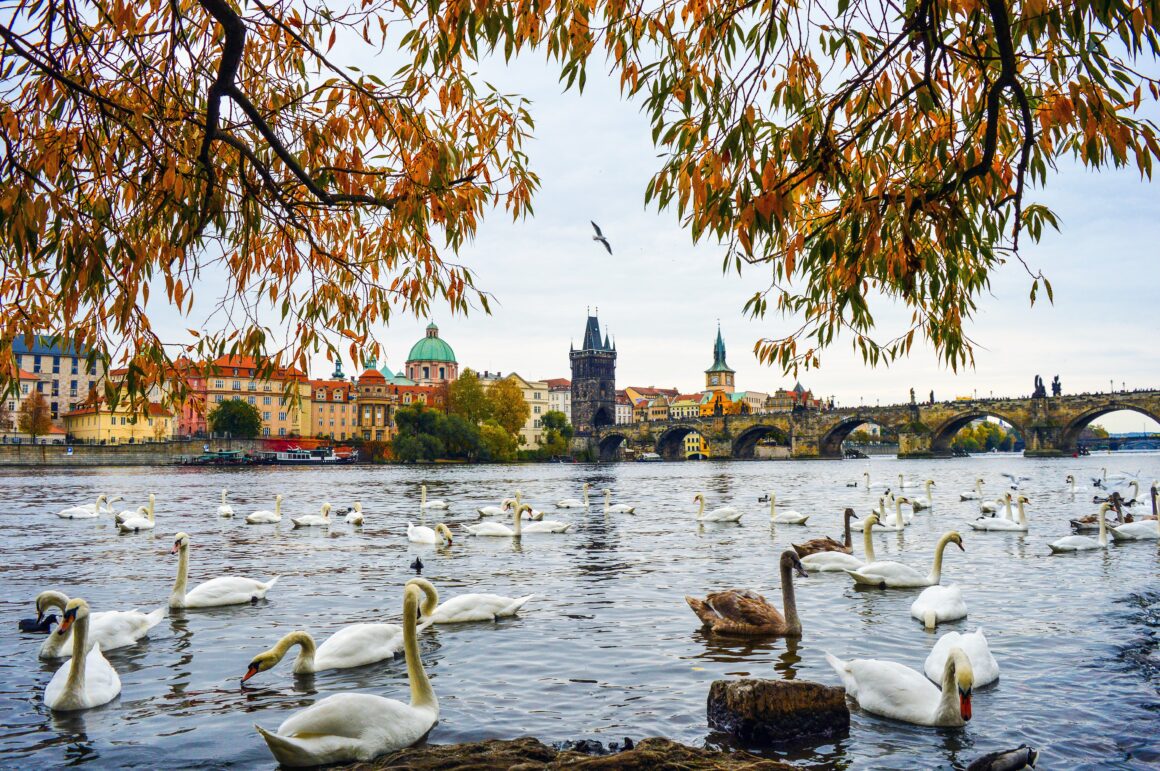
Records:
x=1049, y=426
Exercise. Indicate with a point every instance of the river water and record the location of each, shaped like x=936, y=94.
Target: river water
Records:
x=608, y=648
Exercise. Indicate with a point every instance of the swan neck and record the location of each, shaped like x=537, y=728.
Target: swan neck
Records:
x=150, y=512
x=940, y=547
x=898, y=513
x=868, y=542
x=787, y=599
x=1103, y=526
x=223, y=497
x=51, y=599
x=849, y=543
x=701, y=507
x=1022, y=514
x=422, y=695
x=75, y=685
x=517, y=518
x=948, y=702
x=177, y=599
x=304, y=664
x=772, y=505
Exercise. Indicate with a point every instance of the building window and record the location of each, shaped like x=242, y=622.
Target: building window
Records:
x=537, y=394
x=266, y=387
x=36, y=364
x=426, y=373
x=251, y=400
x=40, y=386
x=265, y=416
x=266, y=400
x=536, y=409
x=281, y=416
x=219, y=384
x=24, y=388
x=74, y=365
x=535, y=424
x=56, y=365
x=72, y=387
x=56, y=388
x=265, y=431
x=237, y=385
x=441, y=375
x=218, y=399
x=281, y=432
x=320, y=394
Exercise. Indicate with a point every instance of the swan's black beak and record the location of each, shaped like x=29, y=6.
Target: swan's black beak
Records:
x=801, y=572
x=960, y=545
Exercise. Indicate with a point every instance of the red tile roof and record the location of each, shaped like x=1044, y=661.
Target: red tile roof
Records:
x=558, y=382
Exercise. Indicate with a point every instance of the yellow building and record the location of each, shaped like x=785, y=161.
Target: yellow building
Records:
x=536, y=395
x=695, y=446
x=720, y=403
x=333, y=412
x=282, y=396
x=376, y=406
x=685, y=406
x=94, y=422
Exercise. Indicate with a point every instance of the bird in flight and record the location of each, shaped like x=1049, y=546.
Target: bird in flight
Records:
x=600, y=237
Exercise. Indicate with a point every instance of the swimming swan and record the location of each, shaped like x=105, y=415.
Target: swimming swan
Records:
x=265, y=516
x=616, y=508
x=355, y=515
x=984, y=668
x=84, y=510
x=1143, y=530
x=897, y=575
x=836, y=561
x=347, y=727
x=88, y=680
x=466, y=607
x=745, y=612
x=790, y=517
x=722, y=514
x=1002, y=523
x=355, y=645
x=223, y=590
x=938, y=604
x=111, y=629
x=426, y=504
x=973, y=495
x=574, y=503
x=142, y=519
x=314, y=520
x=1082, y=542
x=919, y=505
x=422, y=534
x=817, y=545
x=896, y=691
x=225, y=510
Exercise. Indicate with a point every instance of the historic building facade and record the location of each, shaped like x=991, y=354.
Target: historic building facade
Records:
x=719, y=377
x=593, y=380
x=58, y=370
x=431, y=360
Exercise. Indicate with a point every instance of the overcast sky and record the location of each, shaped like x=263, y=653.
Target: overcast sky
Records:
x=661, y=297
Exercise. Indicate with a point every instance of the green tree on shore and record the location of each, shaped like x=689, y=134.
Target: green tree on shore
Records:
x=238, y=418
x=467, y=398
x=35, y=418
x=557, y=433
x=508, y=407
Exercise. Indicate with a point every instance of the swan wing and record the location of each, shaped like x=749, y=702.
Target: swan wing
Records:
x=227, y=590
x=945, y=601
x=831, y=562
x=490, y=528
x=101, y=685
x=1073, y=543
x=889, y=689
x=1143, y=530
x=120, y=628
x=742, y=607
x=476, y=607
x=359, y=644
x=818, y=545
x=547, y=526
x=984, y=667
x=890, y=573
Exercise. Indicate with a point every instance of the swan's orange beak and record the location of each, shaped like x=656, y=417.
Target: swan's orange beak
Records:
x=176, y=548
x=66, y=623
x=965, y=704
x=253, y=670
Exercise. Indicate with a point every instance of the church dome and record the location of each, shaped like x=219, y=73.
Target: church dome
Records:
x=432, y=348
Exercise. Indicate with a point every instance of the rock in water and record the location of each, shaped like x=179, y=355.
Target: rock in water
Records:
x=764, y=712
x=1007, y=760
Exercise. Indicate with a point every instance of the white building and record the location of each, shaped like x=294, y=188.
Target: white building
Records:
x=536, y=395
x=623, y=409
x=560, y=396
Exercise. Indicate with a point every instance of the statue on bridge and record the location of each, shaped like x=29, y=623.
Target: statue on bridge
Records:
x=1040, y=392
x=932, y=396
x=1056, y=387
x=912, y=396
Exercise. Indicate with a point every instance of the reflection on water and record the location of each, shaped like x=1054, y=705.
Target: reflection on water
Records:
x=607, y=648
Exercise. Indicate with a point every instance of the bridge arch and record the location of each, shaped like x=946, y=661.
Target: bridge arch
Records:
x=831, y=443
x=610, y=446
x=1069, y=436
x=941, y=436
x=671, y=443
x=745, y=443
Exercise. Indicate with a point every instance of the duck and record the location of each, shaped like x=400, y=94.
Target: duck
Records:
x=352, y=646
x=142, y=519
x=222, y=590
x=88, y=680
x=745, y=612
x=574, y=503
x=837, y=561
x=884, y=501
x=355, y=515
x=84, y=510
x=39, y=625
x=983, y=665
x=892, y=690
x=265, y=516
x=1002, y=523
x=1022, y=757
x=1101, y=479
x=313, y=520
x=616, y=508
x=722, y=514
x=1082, y=542
x=426, y=504
x=897, y=575
x=225, y=510
x=790, y=517
x=348, y=727
x=973, y=495
x=1141, y=530
x=816, y=545
x=466, y=607
x=422, y=534
x=1091, y=521
x=919, y=505
x=111, y=629
x=937, y=604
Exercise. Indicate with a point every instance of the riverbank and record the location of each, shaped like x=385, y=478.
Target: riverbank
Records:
x=146, y=454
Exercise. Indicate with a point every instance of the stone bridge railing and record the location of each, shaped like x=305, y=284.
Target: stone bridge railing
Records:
x=1049, y=426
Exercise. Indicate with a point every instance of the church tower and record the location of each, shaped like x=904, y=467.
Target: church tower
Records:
x=593, y=381
x=719, y=377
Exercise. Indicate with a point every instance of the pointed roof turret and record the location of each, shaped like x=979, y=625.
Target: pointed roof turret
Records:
x=592, y=340
x=719, y=364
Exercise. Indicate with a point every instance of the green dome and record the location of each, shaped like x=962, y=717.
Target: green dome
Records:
x=432, y=348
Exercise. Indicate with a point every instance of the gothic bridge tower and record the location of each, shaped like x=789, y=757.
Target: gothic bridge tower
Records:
x=593, y=381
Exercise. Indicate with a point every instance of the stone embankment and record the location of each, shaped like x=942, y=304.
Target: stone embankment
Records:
x=146, y=454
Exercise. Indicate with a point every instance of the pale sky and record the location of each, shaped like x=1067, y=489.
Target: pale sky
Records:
x=661, y=297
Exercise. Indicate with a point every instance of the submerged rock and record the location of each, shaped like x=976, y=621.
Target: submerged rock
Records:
x=529, y=754
x=765, y=712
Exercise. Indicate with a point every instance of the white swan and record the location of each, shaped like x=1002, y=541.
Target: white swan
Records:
x=919, y=505
x=526, y=511
x=347, y=727
x=790, y=517
x=84, y=510
x=545, y=525
x=223, y=590
x=423, y=534
x=1002, y=523
x=897, y=575
x=877, y=511
x=140, y=520
x=355, y=645
x=992, y=507
x=722, y=514
x=426, y=504
x=265, y=516
x=892, y=523
x=496, y=511
x=88, y=680
x=616, y=508
x=314, y=520
x=225, y=510
x=984, y=668
x=1142, y=530
x=355, y=515
x=466, y=607
x=973, y=495
x=574, y=503
x=938, y=604
x=1082, y=542
x=111, y=629
x=836, y=561
x=896, y=691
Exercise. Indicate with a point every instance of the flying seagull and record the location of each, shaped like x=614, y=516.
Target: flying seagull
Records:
x=600, y=237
